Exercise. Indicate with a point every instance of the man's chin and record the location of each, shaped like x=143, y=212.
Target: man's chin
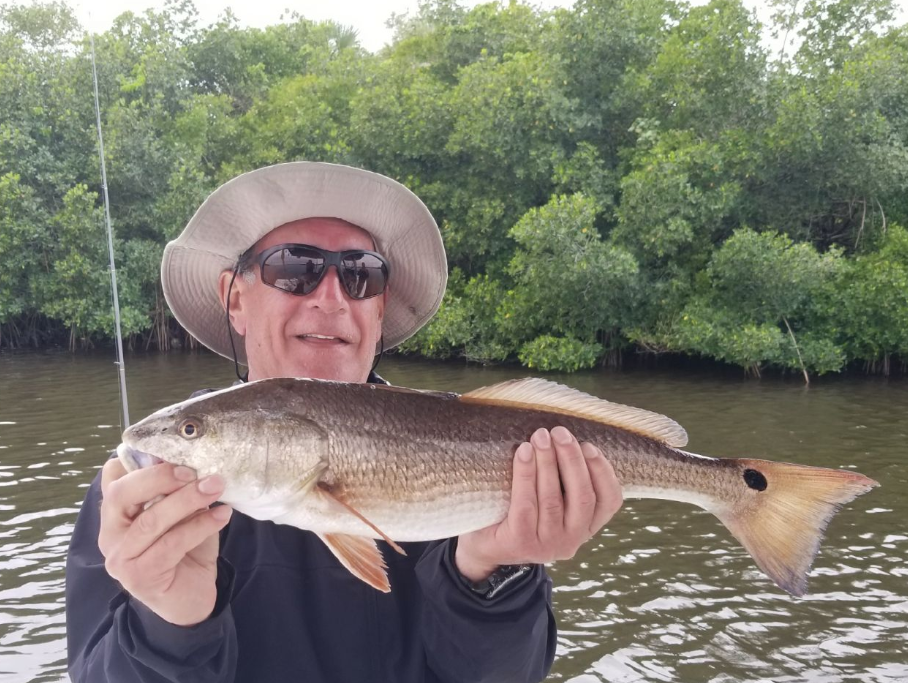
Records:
x=332, y=366
x=340, y=363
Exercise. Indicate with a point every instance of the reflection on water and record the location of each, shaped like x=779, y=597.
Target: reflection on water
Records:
x=664, y=594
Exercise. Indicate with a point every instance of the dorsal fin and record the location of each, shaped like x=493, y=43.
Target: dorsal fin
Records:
x=541, y=394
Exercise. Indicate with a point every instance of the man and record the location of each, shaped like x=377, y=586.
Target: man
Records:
x=181, y=591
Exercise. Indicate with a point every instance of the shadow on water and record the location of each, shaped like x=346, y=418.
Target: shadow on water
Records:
x=663, y=594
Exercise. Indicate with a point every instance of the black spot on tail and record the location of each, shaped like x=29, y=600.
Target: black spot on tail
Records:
x=755, y=480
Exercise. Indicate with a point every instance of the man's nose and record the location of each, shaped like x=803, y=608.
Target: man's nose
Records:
x=329, y=294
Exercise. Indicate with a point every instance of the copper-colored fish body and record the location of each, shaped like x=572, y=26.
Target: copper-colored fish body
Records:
x=415, y=465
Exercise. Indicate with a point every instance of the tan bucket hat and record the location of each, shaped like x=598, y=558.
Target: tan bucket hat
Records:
x=243, y=210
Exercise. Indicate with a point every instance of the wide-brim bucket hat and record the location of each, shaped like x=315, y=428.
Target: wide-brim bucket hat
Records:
x=243, y=210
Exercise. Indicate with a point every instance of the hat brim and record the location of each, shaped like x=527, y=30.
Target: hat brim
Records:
x=243, y=210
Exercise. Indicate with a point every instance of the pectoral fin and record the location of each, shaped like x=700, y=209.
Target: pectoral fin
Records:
x=361, y=556
x=310, y=480
x=339, y=499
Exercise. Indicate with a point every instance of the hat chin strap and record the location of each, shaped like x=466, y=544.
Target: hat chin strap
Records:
x=381, y=351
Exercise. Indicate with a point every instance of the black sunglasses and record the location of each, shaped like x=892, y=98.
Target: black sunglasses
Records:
x=299, y=268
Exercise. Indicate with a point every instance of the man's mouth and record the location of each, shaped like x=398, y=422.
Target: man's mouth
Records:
x=321, y=338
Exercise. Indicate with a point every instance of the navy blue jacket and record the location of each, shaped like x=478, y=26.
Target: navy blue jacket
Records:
x=288, y=611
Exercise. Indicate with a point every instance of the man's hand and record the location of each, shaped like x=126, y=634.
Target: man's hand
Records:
x=165, y=555
x=544, y=524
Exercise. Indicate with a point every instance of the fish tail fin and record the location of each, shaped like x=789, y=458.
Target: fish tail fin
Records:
x=785, y=510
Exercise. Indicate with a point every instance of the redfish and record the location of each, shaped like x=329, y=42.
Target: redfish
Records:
x=358, y=462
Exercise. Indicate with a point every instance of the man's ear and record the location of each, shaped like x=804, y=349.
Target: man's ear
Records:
x=381, y=310
x=381, y=316
x=384, y=302
x=237, y=299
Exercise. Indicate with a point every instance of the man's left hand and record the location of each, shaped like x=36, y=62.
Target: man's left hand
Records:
x=562, y=494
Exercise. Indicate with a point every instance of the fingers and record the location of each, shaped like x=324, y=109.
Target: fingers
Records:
x=579, y=494
x=609, y=496
x=162, y=518
x=548, y=487
x=524, y=511
x=170, y=548
x=577, y=491
x=177, y=523
x=124, y=496
x=113, y=469
x=562, y=493
x=165, y=553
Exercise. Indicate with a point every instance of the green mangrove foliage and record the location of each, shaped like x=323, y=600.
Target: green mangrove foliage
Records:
x=765, y=300
x=621, y=177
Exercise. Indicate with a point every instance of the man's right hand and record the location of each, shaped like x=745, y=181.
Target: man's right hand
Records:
x=165, y=555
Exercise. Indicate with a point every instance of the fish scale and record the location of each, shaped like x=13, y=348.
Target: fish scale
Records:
x=460, y=450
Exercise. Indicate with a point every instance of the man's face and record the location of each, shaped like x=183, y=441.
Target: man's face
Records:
x=285, y=334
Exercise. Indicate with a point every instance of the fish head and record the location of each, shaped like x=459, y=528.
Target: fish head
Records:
x=254, y=449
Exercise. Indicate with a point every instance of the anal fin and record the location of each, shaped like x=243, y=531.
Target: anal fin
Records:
x=361, y=556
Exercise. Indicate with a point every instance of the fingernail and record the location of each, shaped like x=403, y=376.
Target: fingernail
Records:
x=211, y=484
x=525, y=452
x=222, y=512
x=591, y=451
x=562, y=436
x=541, y=438
x=183, y=473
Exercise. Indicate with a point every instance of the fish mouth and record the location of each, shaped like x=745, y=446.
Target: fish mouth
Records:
x=134, y=459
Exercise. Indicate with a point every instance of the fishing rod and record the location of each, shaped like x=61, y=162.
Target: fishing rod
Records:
x=121, y=364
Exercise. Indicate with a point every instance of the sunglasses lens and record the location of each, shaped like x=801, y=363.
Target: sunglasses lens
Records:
x=363, y=275
x=297, y=270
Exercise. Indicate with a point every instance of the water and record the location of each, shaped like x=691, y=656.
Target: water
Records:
x=663, y=594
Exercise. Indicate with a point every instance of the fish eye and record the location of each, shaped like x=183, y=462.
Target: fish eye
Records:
x=190, y=428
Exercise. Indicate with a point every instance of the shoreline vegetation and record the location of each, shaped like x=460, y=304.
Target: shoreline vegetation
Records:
x=622, y=179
